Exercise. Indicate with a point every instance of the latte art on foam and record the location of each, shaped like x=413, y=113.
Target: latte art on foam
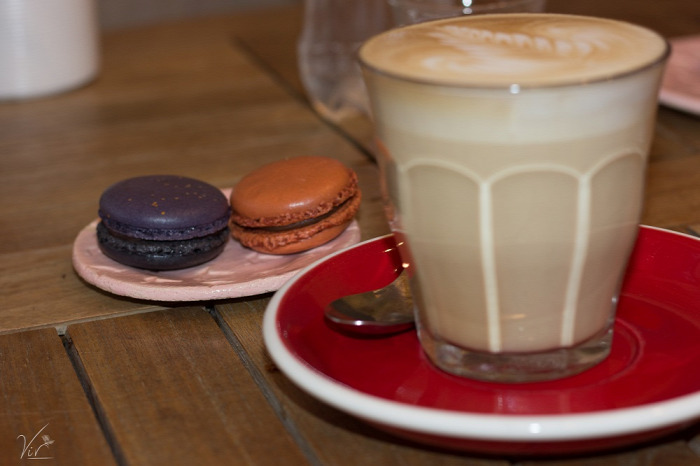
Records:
x=464, y=38
x=525, y=49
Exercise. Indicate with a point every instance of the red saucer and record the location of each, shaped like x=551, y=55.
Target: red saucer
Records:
x=649, y=385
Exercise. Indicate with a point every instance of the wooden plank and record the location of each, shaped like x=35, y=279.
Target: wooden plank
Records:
x=681, y=129
x=40, y=288
x=172, y=391
x=669, y=454
x=334, y=437
x=44, y=412
x=121, y=14
x=677, y=17
x=673, y=192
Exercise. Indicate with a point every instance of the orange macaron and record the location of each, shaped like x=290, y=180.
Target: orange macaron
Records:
x=294, y=204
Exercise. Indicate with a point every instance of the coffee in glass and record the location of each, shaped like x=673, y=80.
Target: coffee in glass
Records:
x=513, y=154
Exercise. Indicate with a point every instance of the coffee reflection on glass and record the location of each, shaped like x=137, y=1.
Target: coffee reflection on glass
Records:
x=513, y=151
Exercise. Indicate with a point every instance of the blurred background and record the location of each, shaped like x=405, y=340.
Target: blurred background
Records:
x=116, y=14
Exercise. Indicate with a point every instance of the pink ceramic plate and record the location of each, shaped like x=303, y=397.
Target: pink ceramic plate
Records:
x=648, y=386
x=237, y=272
x=681, y=84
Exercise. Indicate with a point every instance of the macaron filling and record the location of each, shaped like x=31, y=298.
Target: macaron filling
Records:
x=165, y=234
x=175, y=247
x=302, y=223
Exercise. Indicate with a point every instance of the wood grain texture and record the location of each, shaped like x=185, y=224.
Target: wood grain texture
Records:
x=173, y=391
x=671, y=453
x=115, y=14
x=40, y=394
x=670, y=18
x=334, y=437
x=177, y=98
x=40, y=288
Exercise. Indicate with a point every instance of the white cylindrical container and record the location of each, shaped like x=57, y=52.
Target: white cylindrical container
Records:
x=46, y=46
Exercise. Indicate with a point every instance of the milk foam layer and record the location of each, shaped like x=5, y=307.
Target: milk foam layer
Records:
x=532, y=49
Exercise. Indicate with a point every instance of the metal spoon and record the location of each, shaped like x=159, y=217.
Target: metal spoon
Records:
x=380, y=312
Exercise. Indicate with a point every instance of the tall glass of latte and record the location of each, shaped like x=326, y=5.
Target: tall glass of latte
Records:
x=513, y=153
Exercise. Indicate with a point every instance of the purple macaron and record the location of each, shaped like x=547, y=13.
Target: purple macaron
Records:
x=163, y=222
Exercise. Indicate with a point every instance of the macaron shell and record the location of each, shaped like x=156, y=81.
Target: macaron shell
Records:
x=160, y=255
x=299, y=239
x=164, y=207
x=291, y=190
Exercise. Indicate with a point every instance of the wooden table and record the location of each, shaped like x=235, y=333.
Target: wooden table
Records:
x=100, y=379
